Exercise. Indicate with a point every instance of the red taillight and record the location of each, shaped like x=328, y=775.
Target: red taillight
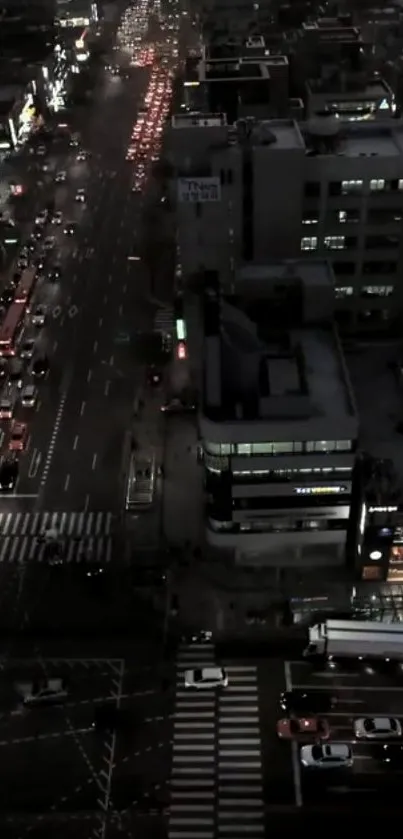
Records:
x=182, y=354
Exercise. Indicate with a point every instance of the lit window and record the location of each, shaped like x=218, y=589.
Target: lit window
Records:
x=377, y=290
x=244, y=448
x=377, y=184
x=310, y=220
x=343, y=291
x=400, y=184
x=335, y=243
x=350, y=186
x=309, y=243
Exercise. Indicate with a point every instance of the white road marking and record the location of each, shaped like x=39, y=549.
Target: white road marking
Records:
x=95, y=346
x=52, y=442
x=82, y=409
x=107, y=384
x=94, y=461
x=89, y=375
x=75, y=444
x=296, y=769
x=66, y=483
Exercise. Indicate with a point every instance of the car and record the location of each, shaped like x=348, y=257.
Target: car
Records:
x=8, y=474
x=27, y=348
x=46, y=692
x=74, y=142
x=6, y=406
x=3, y=369
x=57, y=217
x=38, y=233
x=82, y=155
x=15, y=371
x=290, y=728
x=54, y=273
x=300, y=701
x=374, y=728
x=60, y=177
x=22, y=262
x=70, y=228
x=29, y=395
x=80, y=195
x=49, y=243
x=41, y=150
x=42, y=217
x=7, y=296
x=327, y=756
x=16, y=278
x=39, y=315
x=390, y=755
x=40, y=368
x=18, y=436
x=32, y=243
x=206, y=678
x=154, y=376
x=178, y=406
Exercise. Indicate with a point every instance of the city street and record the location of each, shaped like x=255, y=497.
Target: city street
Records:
x=358, y=692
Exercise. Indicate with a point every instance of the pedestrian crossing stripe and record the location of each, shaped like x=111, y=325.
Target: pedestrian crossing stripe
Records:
x=164, y=320
x=72, y=525
x=216, y=773
x=24, y=549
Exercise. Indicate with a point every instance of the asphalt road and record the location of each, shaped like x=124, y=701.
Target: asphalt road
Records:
x=78, y=431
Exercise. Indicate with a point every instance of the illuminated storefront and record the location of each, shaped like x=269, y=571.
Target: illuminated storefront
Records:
x=380, y=546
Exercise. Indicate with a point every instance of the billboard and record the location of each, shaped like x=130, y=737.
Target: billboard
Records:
x=199, y=190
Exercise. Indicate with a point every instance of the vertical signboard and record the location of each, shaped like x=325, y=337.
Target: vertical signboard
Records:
x=199, y=190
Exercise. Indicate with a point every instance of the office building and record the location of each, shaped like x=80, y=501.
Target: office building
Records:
x=256, y=191
x=278, y=421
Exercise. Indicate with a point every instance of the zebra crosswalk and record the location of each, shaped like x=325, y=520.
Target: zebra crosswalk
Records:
x=164, y=321
x=216, y=775
x=72, y=525
x=84, y=537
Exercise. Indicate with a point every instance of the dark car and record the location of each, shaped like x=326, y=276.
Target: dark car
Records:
x=8, y=474
x=305, y=701
x=390, y=756
x=70, y=228
x=54, y=273
x=16, y=278
x=38, y=232
x=40, y=367
x=7, y=296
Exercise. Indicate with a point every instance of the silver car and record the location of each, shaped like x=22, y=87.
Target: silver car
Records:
x=326, y=756
x=377, y=728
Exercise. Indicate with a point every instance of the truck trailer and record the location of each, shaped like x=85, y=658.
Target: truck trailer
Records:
x=355, y=639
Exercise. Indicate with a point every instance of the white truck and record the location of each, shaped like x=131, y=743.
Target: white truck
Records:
x=355, y=639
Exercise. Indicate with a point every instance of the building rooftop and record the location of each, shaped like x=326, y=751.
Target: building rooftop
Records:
x=349, y=87
x=264, y=361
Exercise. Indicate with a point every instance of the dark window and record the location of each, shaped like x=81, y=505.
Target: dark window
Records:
x=334, y=188
x=375, y=242
x=312, y=189
x=384, y=267
x=343, y=269
x=384, y=216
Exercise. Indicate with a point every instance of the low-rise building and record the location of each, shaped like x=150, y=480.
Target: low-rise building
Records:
x=278, y=421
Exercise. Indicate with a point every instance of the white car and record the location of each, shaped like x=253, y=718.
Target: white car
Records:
x=61, y=177
x=326, y=756
x=206, y=678
x=49, y=243
x=39, y=316
x=58, y=217
x=49, y=691
x=29, y=396
x=374, y=728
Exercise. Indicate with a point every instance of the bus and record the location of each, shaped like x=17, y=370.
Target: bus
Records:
x=10, y=329
x=140, y=483
x=25, y=286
